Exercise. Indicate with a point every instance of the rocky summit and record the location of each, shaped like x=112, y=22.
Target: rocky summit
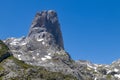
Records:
x=45, y=29
x=43, y=46
x=41, y=56
x=43, y=43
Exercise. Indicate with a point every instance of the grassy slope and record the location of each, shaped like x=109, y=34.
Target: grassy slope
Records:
x=3, y=48
x=25, y=71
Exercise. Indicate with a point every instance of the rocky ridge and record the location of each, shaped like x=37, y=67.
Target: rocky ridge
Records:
x=13, y=69
x=43, y=50
x=43, y=46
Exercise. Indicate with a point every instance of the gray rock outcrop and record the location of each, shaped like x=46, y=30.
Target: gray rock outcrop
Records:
x=43, y=47
x=43, y=43
x=45, y=28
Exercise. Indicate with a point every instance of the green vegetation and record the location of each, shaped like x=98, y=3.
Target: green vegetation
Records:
x=1, y=68
x=0, y=78
x=20, y=63
x=25, y=71
x=3, y=48
x=28, y=72
x=47, y=75
x=108, y=77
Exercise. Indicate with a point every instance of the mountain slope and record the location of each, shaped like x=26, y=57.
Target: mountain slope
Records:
x=41, y=56
x=43, y=46
x=13, y=69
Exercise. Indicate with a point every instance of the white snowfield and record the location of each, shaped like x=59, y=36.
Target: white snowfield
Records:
x=46, y=57
x=40, y=39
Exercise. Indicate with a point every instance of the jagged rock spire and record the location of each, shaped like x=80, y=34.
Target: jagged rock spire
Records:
x=43, y=46
x=45, y=27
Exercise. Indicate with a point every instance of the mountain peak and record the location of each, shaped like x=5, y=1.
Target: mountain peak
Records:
x=44, y=47
x=45, y=27
x=43, y=44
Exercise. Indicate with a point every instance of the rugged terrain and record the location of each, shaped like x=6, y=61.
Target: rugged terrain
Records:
x=13, y=69
x=41, y=56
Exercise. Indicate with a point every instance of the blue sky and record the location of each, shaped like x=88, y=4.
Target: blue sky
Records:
x=91, y=28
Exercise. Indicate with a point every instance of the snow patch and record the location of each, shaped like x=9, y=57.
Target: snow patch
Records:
x=107, y=66
x=90, y=66
x=16, y=41
x=95, y=70
x=19, y=55
x=117, y=76
x=116, y=70
x=39, y=39
x=38, y=54
x=48, y=57
x=13, y=43
x=43, y=43
x=24, y=43
x=109, y=71
x=43, y=59
x=49, y=54
x=95, y=78
x=19, y=58
x=33, y=57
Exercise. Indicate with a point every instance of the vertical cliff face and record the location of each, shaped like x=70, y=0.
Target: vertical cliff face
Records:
x=43, y=44
x=45, y=29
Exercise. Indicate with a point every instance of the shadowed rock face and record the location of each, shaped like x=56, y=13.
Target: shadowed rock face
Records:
x=4, y=51
x=46, y=28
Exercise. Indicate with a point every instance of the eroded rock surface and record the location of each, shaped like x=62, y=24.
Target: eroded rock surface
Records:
x=43, y=46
